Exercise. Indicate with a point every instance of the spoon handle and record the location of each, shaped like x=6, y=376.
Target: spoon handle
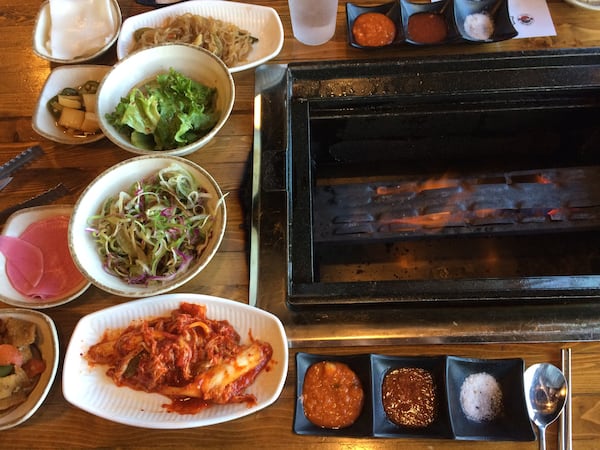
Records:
x=542, y=438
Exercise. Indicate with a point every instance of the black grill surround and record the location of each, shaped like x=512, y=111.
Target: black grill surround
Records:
x=556, y=92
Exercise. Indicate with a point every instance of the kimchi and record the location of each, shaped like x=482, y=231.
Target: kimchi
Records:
x=193, y=360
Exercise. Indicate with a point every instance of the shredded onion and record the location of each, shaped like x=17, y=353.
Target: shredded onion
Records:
x=153, y=231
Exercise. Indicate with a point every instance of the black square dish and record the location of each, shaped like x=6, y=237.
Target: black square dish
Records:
x=435, y=367
x=391, y=10
x=482, y=379
x=423, y=31
x=360, y=365
x=483, y=20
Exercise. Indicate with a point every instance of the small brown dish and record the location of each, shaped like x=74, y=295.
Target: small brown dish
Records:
x=391, y=10
x=483, y=20
x=360, y=365
x=437, y=424
x=429, y=23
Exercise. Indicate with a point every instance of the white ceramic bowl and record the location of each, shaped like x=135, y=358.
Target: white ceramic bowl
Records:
x=593, y=5
x=61, y=77
x=262, y=22
x=14, y=227
x=118, y=178
x=42, y=30
x=47, y=344
x=143, y=66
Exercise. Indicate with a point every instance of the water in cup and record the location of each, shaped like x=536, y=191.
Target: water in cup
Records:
x=313, y=21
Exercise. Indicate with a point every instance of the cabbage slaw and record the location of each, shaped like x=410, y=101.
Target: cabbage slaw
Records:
x=153, y=231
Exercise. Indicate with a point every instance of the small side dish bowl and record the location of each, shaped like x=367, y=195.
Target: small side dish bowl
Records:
x=433, y=367
x=480, y=380
x=143, y=66
x=48, y=346
x=360, y=365
x=419, y=25
x=109, y=12
x=110, y=183
x=484, y=20
x=14, y=227
x=391, y=10
x=61, y=77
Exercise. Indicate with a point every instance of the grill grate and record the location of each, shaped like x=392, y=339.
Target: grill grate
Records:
x=530, y=201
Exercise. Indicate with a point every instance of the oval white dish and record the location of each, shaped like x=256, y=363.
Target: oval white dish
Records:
x=90, y=389
x=261, y=21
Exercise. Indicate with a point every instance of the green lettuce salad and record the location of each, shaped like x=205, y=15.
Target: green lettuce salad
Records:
x=169, y=112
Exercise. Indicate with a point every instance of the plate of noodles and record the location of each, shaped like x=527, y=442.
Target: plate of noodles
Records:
x=242, y=35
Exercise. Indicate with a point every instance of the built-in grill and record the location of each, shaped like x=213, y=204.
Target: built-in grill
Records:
x=443, y=199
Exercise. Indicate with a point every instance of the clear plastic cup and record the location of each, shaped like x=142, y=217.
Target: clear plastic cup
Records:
x=313, y=21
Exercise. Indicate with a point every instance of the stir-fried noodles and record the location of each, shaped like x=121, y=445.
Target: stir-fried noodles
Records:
x=193, y=360
x=224, y=39
x=153, y=231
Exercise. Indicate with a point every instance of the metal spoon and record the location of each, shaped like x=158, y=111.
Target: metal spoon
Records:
x=545, y=394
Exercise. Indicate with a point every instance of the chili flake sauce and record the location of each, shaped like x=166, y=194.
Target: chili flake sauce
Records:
x=373, y=30
x=409, y=397
x=332, y=395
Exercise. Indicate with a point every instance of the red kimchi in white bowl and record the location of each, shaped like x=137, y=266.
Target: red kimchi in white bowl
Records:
x=210, y=360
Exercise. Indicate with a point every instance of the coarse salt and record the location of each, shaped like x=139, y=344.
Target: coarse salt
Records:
x=479, y=26
x=481, y=397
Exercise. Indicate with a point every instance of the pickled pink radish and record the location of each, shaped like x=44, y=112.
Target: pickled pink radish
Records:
x=59, y=275
x=24, y=262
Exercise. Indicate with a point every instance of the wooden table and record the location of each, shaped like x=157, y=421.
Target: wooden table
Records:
x=57, y=424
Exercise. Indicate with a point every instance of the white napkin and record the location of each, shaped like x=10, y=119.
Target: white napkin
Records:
x=531, y=18
x=79, y=27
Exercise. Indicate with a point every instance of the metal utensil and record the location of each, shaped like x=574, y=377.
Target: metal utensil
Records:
x=565, y=438
x=9, y=167
x=545, y=394
x=44, y=198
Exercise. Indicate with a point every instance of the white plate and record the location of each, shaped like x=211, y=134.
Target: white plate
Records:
x=14, y=226
x=43, y=122
x=47, y=342
x=41, y=35
x=593, y=5
x=90, y=389
x=261, y=21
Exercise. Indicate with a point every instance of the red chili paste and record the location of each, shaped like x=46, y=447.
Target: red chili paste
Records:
x=332, y=395
x=409, y=397
x=373, y=30
x=427, y=28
